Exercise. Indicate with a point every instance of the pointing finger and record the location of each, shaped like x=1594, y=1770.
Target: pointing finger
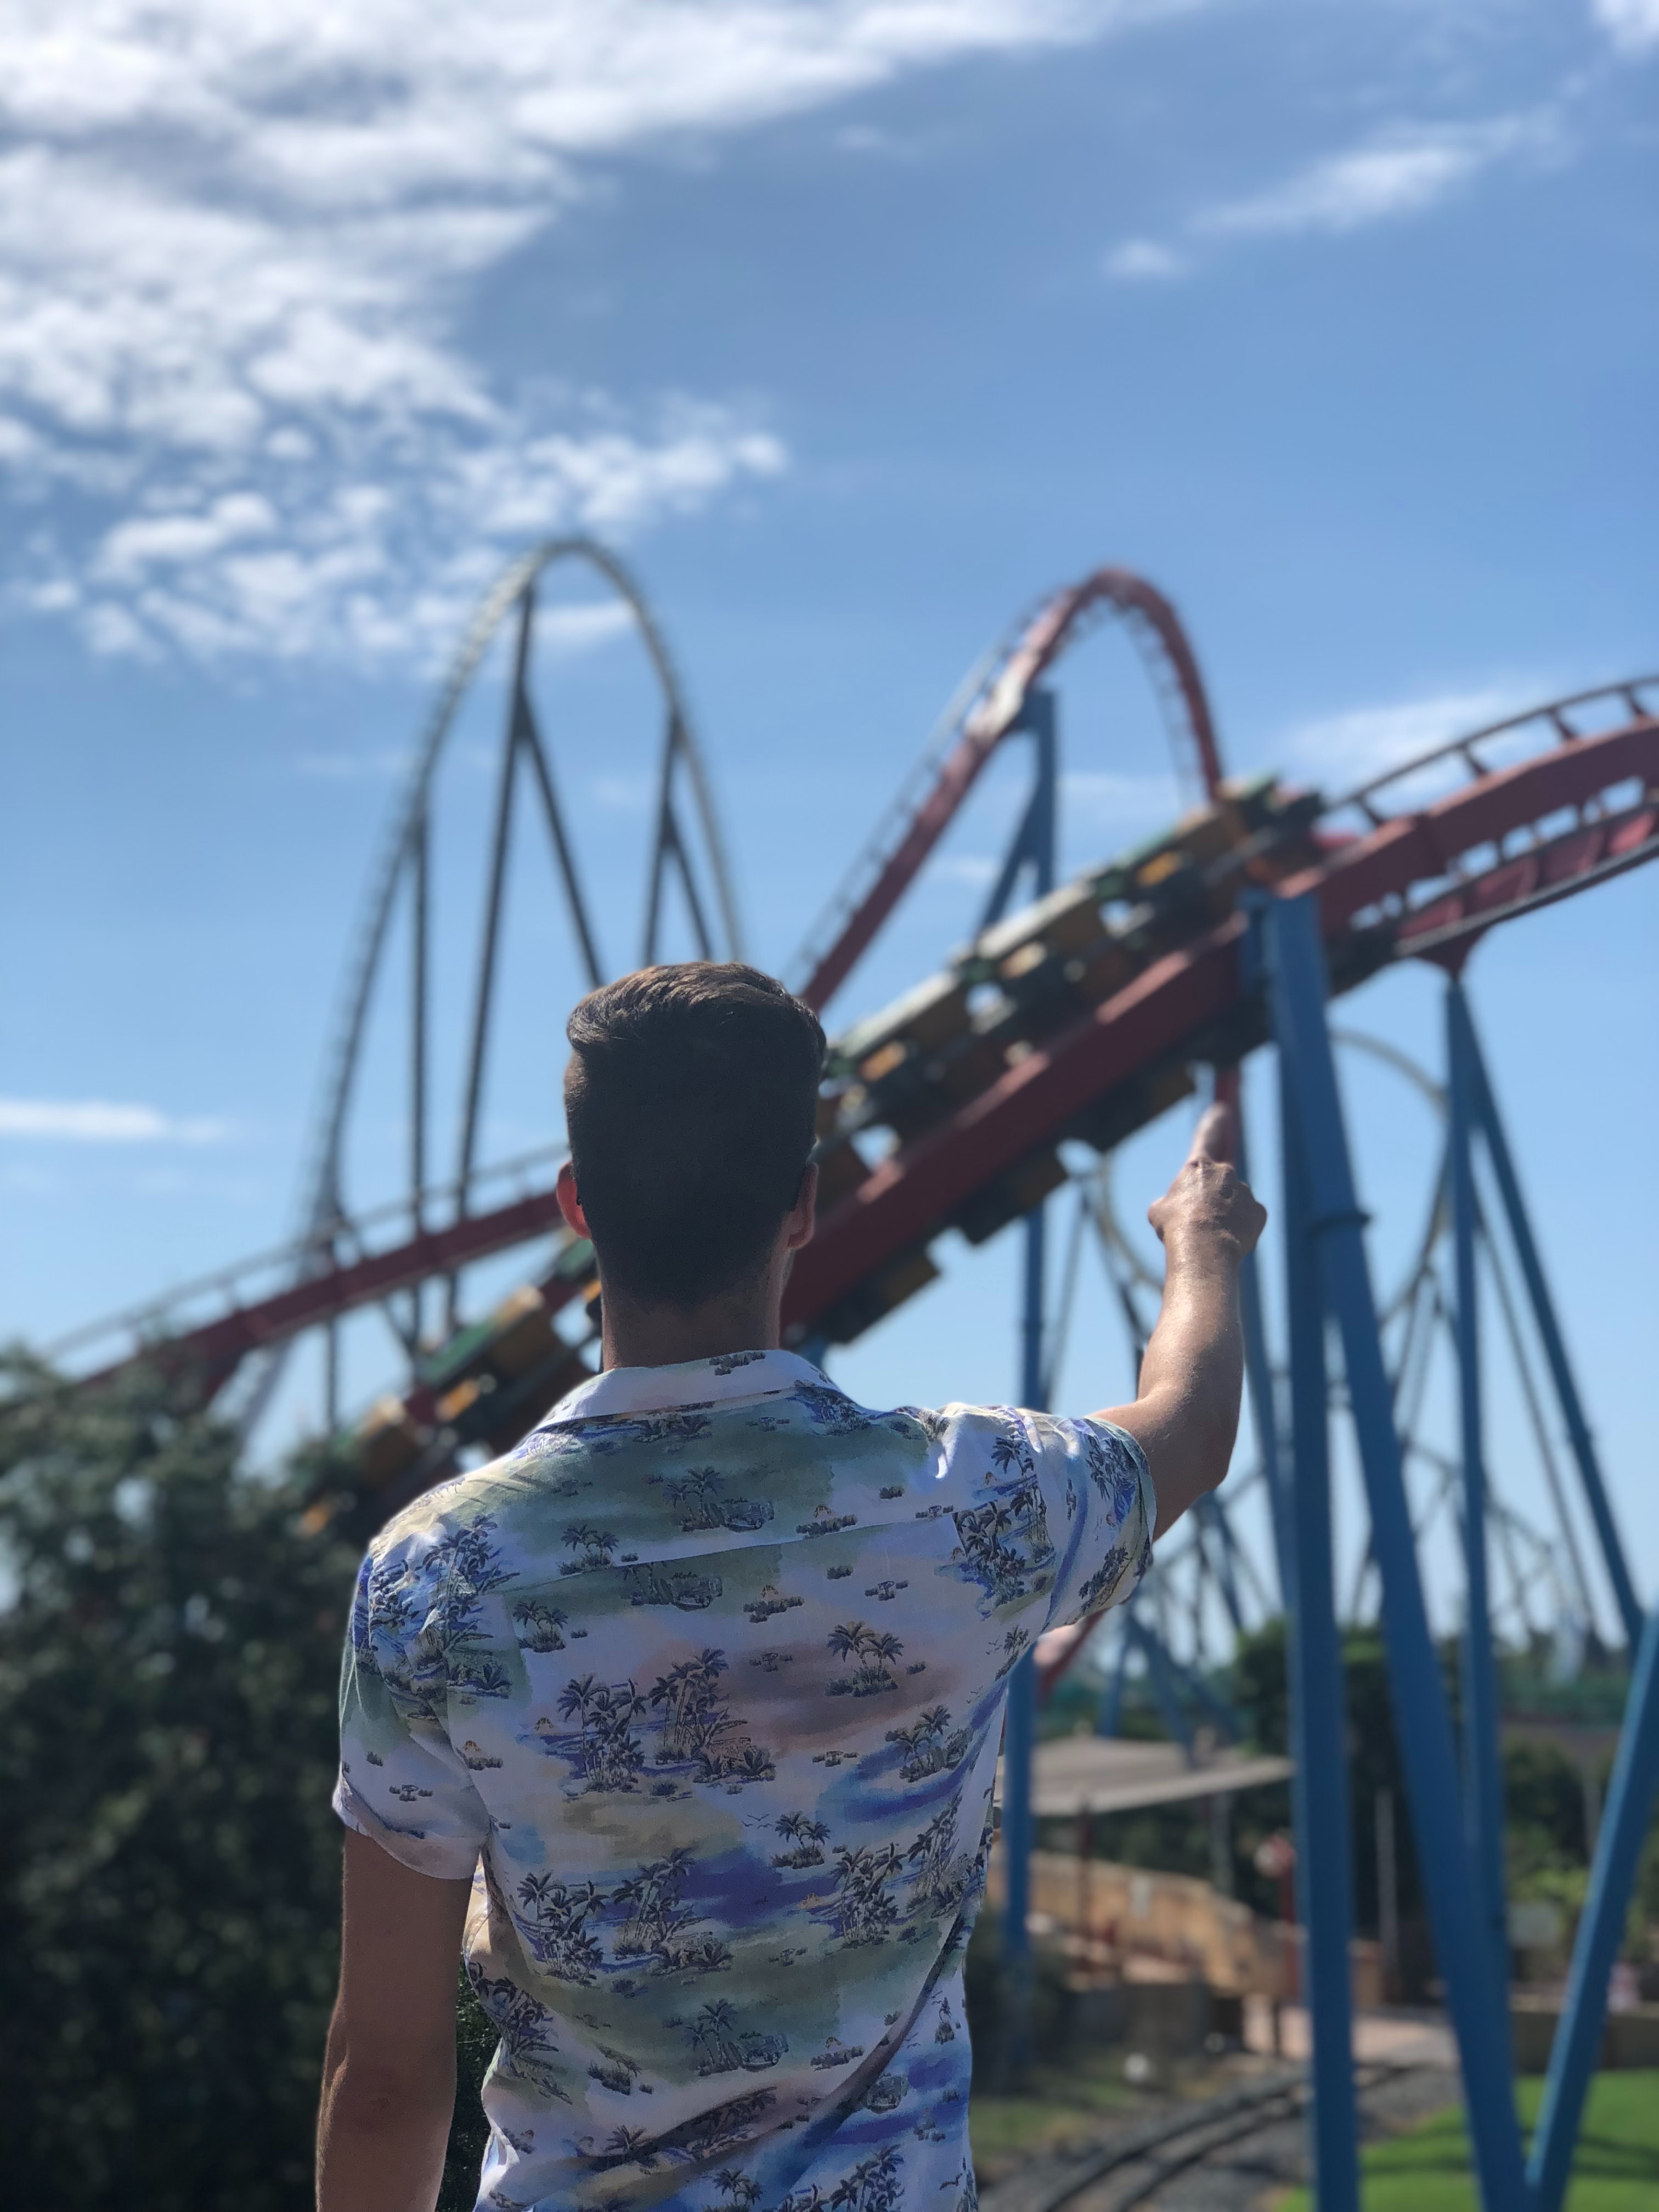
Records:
x=1216, y=1137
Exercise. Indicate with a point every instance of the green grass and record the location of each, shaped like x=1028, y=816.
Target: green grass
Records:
x=1427, y=2168
x=1065, y=2104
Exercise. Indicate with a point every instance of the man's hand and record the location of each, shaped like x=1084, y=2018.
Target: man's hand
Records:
x=1185, y=1416
x=1206, y=1209
x=389, y=2075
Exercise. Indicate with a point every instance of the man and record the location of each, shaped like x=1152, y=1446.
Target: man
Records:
x=706, y=1679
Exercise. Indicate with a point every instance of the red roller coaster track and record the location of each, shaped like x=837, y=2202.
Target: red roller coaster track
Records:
x=1407, y=879
x=995, y=715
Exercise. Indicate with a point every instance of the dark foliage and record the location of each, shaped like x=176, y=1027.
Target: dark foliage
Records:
x=167, y=1665
x=169, y=1651
x=475, y=2046
x=1261, y=1693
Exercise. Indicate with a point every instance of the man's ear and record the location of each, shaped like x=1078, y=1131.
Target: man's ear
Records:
x=803, y=1216
x=570, y=1204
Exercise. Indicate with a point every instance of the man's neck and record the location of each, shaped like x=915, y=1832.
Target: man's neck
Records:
x=635, y=1336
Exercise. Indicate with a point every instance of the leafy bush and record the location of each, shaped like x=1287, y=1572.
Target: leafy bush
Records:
x=171, y=1877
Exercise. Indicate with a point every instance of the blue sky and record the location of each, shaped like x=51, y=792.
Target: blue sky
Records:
x=857, y=327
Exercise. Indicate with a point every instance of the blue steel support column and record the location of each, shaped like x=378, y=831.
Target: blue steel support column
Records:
x=1258, y=1369
x=1318, y=1715
x=1483, y=1783
x=1035, y=844
x=1422, y=1721
x=1549, y=1329
x=1629, y=1795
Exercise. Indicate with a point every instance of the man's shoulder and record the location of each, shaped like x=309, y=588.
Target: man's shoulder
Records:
x=468, y=1505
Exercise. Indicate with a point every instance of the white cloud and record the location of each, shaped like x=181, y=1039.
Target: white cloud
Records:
x=97, y=1121
x=1632, y=25
x=234, y=237
x=1402, y=172
x=1140, y=259
x=1341, y=750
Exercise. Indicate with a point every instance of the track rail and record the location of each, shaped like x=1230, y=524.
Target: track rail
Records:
x=1130, y=2169
x=1365, y=892
x=997, y=703
x=1425, y=882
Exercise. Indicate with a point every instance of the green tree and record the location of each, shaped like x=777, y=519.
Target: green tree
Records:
x=168, y=1659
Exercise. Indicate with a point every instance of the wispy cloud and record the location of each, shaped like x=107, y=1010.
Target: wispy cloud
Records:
x=1341, y=751
x=98, y=1121
x=234, y=242
x=1142, y=260
x=1632, y=25
x=1401, y=172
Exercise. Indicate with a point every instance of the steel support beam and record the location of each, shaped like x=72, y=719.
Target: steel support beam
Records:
x=1324, y=1855
x=1623, y=1825
x=1549, y=1329
x=1422, y=1723
x=1258, y=1367
x=1483, y=1782
x=1033, y=846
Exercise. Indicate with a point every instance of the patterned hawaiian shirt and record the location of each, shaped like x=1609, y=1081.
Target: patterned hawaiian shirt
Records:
x=705, y=1680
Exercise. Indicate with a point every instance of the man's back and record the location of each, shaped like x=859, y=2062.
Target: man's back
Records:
x=711, y=1671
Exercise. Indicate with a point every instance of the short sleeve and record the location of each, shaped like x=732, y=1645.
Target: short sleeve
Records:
x=402, y=1782
x=1107, y=1511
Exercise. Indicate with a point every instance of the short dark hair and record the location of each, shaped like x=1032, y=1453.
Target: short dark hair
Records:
x=691, y=1104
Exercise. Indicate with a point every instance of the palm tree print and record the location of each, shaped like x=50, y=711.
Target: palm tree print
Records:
x=873, y=1649
x=807, y=1835
x=698, y=1494
x=872, y=2186
x=595, y=1545
x=527, y=2048
x=691, y=1592
x=554, y=1925
x=697, y=1726
x=470, y=1567
x=480, y=1678
x=610, y=1754
x=940, y=1875
x=1012, y=1450
x=1102, y=1585
x=692, y=1716
x=651, y=1898
x=537, y=1626
x=985, y=1555
x=863, y=1909
x=615, y=2069
x=810, y=2199
x=1111, y=1470
x=931, y=1746
x=713, y=2038
x=722, y=2049
x=859, y=1840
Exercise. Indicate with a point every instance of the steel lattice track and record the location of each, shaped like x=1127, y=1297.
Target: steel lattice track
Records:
x=1393, y=878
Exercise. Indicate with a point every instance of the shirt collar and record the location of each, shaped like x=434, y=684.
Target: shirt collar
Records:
x=689, y=1382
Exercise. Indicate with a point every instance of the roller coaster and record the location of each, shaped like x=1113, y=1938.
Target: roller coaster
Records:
x=1063, y=1026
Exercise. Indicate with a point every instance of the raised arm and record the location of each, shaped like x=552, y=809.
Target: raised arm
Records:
x=1185, y=1414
